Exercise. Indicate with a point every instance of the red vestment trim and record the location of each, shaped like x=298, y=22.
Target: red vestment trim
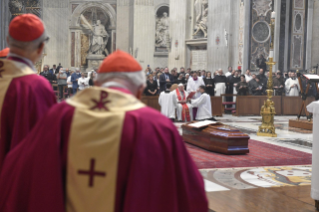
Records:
x=185, y=111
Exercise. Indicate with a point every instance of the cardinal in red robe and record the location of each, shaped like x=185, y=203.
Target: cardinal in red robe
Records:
x=105, y=151
x=25, y=97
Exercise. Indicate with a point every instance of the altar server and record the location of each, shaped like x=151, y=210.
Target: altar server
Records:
x=183, y=109
x=166, y=102
x=292, y=86
x=194, y=83
x=314, y=109
x=24, y=96
x=203, y=103
x=105, y=151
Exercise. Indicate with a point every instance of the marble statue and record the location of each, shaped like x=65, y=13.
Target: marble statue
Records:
x=98, y=37
x=201, y=16
x=202, y=24
x=162, y=31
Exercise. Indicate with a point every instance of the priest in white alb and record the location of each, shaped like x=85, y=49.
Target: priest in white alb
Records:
x=165, y=100
x=183, y=109
x=314, y=109
x=203, y=103
x=193, y=85
x=292, y=86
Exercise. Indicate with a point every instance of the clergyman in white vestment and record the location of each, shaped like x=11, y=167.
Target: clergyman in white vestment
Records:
x=292, y=86
x=314, y=109
x=203, y=103
x=165, y=100
x=194, y=83
x=183, y=110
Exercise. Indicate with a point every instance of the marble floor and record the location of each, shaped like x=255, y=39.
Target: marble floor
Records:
x=283, y=182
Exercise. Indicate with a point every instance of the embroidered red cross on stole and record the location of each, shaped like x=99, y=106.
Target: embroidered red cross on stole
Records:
x=92, y=173
x=185, y=111
x=101, y=104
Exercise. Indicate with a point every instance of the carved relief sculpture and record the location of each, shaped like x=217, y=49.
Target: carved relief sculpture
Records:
x=201, y=17
x=16, y=7
x=262, y=7
x=162, y=38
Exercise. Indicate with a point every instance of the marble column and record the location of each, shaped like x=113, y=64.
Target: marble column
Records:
x=310, y=23
x=246, y=59
x=4, y=22
x=144, y=32
x=287, y=34
x=55, y=16
x=219, y=22
x=178, y=32
x=277, y=9
x=125, y=25
x=315, y=34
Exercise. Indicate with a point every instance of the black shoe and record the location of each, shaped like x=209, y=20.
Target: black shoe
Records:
x=317, y=204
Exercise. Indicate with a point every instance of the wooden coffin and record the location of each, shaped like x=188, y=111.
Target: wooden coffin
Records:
x=217, y=138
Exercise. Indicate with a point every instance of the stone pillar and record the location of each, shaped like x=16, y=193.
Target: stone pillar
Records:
x=310, y=23
x=287, y=35
x=125, y=25
x=217, y=47
x=315, y=33
x=55, y=16
x=144, y=32
x=246, y=59
x=178, y=19
x=4, y=23
x=277, y=9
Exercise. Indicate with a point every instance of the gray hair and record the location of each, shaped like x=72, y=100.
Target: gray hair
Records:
x=27, y=46
x=136, y=79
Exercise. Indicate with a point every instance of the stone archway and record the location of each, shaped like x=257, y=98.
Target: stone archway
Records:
x=80, y=36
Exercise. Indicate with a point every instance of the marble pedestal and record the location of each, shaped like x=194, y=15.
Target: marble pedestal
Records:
x=94, y=61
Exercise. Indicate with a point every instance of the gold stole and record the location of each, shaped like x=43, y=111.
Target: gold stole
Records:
x=8, y=71
x=93, y=149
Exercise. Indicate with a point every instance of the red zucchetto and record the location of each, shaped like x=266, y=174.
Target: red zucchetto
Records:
x=4, y=52
x=119, y=61
x=26, y=28
x=239, y=68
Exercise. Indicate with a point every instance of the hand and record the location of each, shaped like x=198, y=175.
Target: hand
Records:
x=275, y=86
x=167, y=80
x=240, y=87
x=292, y=86
x=281, y=86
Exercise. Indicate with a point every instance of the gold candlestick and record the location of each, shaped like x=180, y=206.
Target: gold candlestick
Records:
x=267, y=112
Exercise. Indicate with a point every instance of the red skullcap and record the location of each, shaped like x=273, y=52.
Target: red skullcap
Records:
x=239, y=68
x=4, y=52
x=26, y=28
x=119, y=61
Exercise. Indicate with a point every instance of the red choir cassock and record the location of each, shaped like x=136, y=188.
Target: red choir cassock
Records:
x=24, y=96
x=104, y=151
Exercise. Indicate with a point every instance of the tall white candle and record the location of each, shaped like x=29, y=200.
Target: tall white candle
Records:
x=271, y=54
x=273, y=15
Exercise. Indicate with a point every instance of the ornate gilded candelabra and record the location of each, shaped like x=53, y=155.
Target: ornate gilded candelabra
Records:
x=267, y=112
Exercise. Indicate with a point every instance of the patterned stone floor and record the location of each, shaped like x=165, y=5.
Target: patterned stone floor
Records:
x=287, y=137
x=250, y=178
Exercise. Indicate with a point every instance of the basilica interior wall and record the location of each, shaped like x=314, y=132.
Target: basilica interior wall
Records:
x=144, y=31
x=56, y=18
x=315, y=34
x=222, y=34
